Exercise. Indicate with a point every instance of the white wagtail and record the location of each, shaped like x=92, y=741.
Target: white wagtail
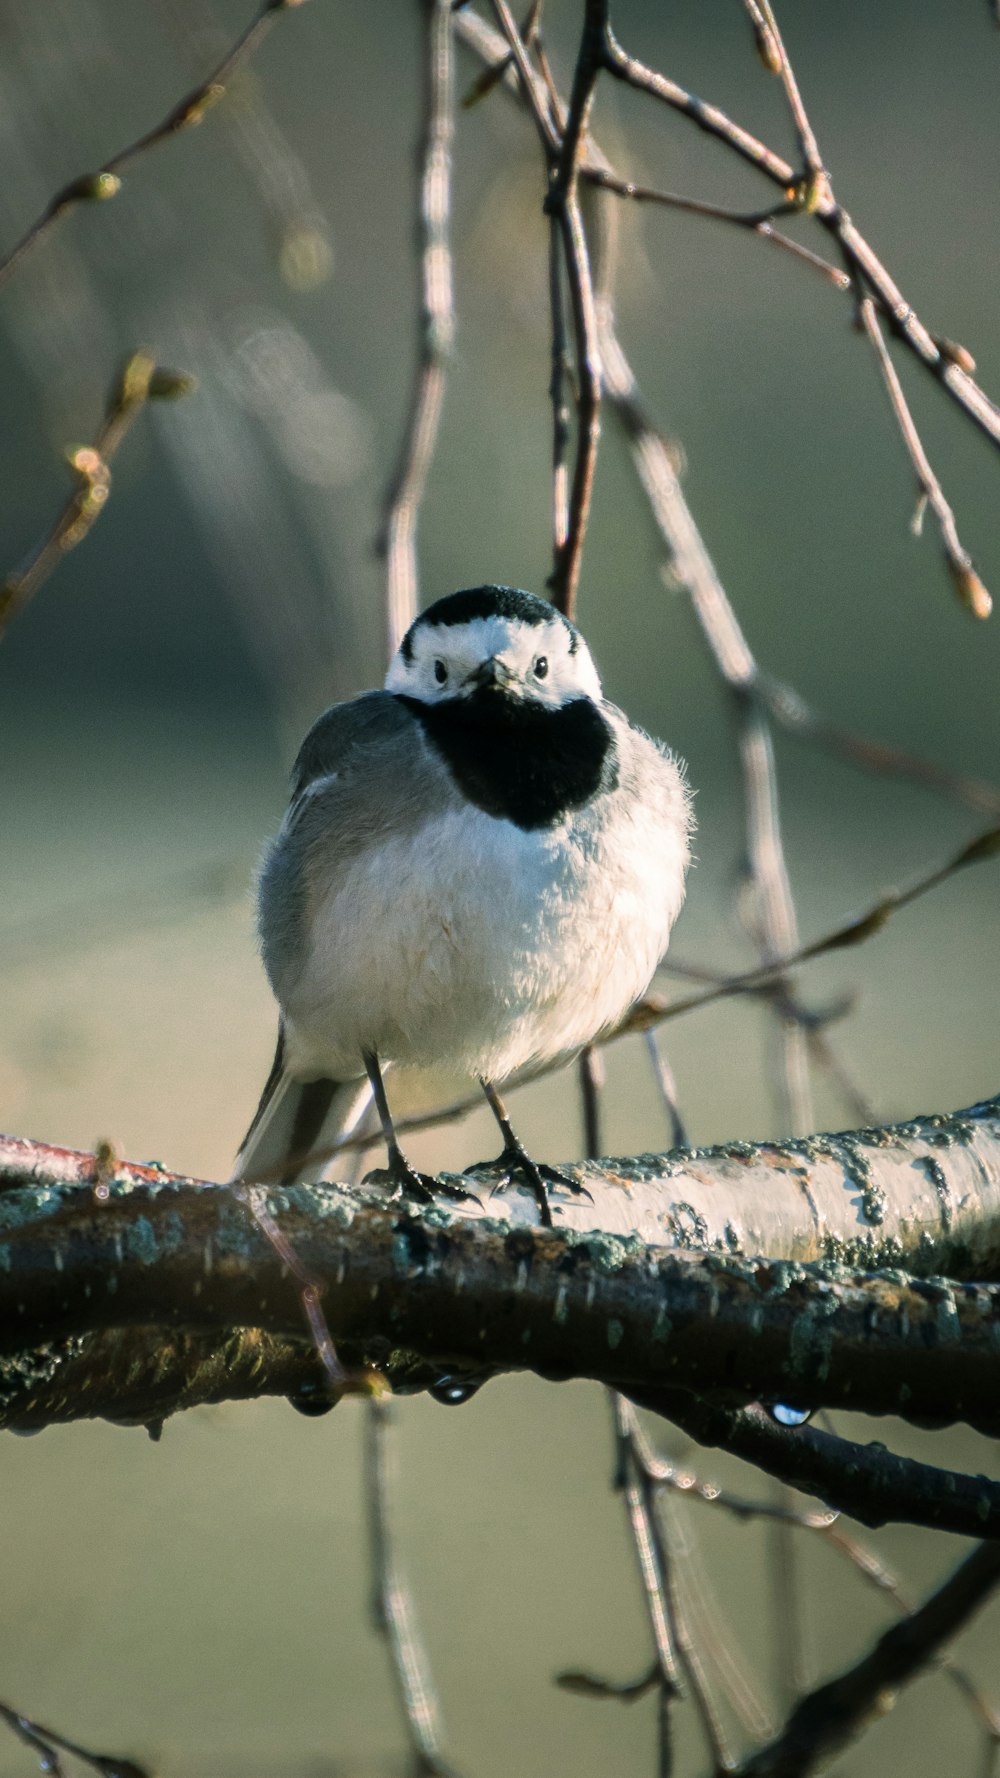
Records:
x=479, y=870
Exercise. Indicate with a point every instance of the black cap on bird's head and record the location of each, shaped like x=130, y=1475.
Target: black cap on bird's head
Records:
x=488, y=601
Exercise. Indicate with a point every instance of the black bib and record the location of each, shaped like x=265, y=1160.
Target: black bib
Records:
x=519, y=760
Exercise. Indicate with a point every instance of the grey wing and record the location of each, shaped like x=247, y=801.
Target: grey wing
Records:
x=343, y=765
x=348, y=772
x=365, y=774
x=371, y=721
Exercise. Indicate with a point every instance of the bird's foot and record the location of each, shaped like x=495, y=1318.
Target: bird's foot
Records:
x=516, y=1160
x=402, y=1179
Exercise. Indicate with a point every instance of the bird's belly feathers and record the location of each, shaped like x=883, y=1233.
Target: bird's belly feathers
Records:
x=471, y=944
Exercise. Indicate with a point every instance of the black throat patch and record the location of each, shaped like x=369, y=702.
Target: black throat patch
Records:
x=519, y=760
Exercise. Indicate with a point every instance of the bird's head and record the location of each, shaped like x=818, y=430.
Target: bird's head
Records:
x=493, y=640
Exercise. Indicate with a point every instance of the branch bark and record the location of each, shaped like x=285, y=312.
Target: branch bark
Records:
x=652, y=1284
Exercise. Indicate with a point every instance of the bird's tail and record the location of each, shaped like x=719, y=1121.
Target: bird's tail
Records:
x=296, y=1124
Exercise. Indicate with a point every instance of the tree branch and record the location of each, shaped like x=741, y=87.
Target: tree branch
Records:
x=829, y=1718
x=651, y=1285
x=398, y=542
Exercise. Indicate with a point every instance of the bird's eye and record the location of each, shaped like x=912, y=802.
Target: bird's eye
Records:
x=541, y=667
x=440, y=672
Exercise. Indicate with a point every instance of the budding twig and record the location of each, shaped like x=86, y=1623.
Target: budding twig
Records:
x=141, y=380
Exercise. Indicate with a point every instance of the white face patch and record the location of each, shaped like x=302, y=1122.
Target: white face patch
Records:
x=538, y=659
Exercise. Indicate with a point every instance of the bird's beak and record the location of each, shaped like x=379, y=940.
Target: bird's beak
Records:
x=491, y=675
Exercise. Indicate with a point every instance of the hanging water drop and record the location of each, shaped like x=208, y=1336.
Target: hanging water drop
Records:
x=451, y=1392
x=787, y=1416
x=312, y=1399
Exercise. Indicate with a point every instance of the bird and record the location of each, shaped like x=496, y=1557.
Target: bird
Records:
x=478, y=871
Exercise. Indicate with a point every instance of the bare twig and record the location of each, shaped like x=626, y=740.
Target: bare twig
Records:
x=141, y=380
x=106, y=182
x=836, y=1713
x=865, y=1481
x=45, y=1743
x=563, y=149
x=814, y=194
x=688, y=555
x=557, y=395
x=654, y=1575
x=756, y=222
x=968, y=585
x=775, y=55
x=563, y=206
x=398, y=542
x=392, y=1608
x=310, y=1287
x=797, y=716
x=707, y=117
x=829, y=1528
x=664, y=1077
x=660, y=1585
x=769, y=908
x=819, y=196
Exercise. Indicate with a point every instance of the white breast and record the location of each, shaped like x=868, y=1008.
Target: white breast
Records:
x=470, y=944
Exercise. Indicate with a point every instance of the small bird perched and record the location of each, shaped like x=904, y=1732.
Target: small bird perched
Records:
x=479, y=870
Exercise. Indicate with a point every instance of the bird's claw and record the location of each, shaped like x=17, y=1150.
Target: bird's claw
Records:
x=536, y=1175
x=403, y=1180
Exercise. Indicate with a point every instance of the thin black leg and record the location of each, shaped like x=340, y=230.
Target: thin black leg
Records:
x=516, y=1159
x=399, y=1174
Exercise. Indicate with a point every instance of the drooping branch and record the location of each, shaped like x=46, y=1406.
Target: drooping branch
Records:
x=830, y=1717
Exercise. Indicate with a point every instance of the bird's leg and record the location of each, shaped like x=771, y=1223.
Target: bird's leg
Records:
x=516, y=1159
x=399, y=1174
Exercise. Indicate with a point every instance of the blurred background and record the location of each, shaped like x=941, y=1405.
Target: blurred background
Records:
x=202, y=1603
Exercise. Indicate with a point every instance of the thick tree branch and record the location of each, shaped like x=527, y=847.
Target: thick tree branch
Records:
x=652, y=1284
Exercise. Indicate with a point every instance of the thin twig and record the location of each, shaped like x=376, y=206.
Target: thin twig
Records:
x=45, y=1742
x=970, y=589
x=764, y=22
x=645, y=1486
x=828, y=1526
x=562, y=153
x=563, y=206
x=663, y=1074
x=141, y=380
x=871, y=1566
x=392, y=1608
x=770, y=909
x=398, y=541
x=311, y=1288
x=663, y=488
x=815, y=196
x=756, y=222
x=709, y=118
x=793, y=713
x=557, y=396
x=651, y=1556
x=836, y=1713
x=106, y=182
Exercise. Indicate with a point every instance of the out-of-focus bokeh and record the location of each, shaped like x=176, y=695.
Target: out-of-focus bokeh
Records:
x=202, y=1602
